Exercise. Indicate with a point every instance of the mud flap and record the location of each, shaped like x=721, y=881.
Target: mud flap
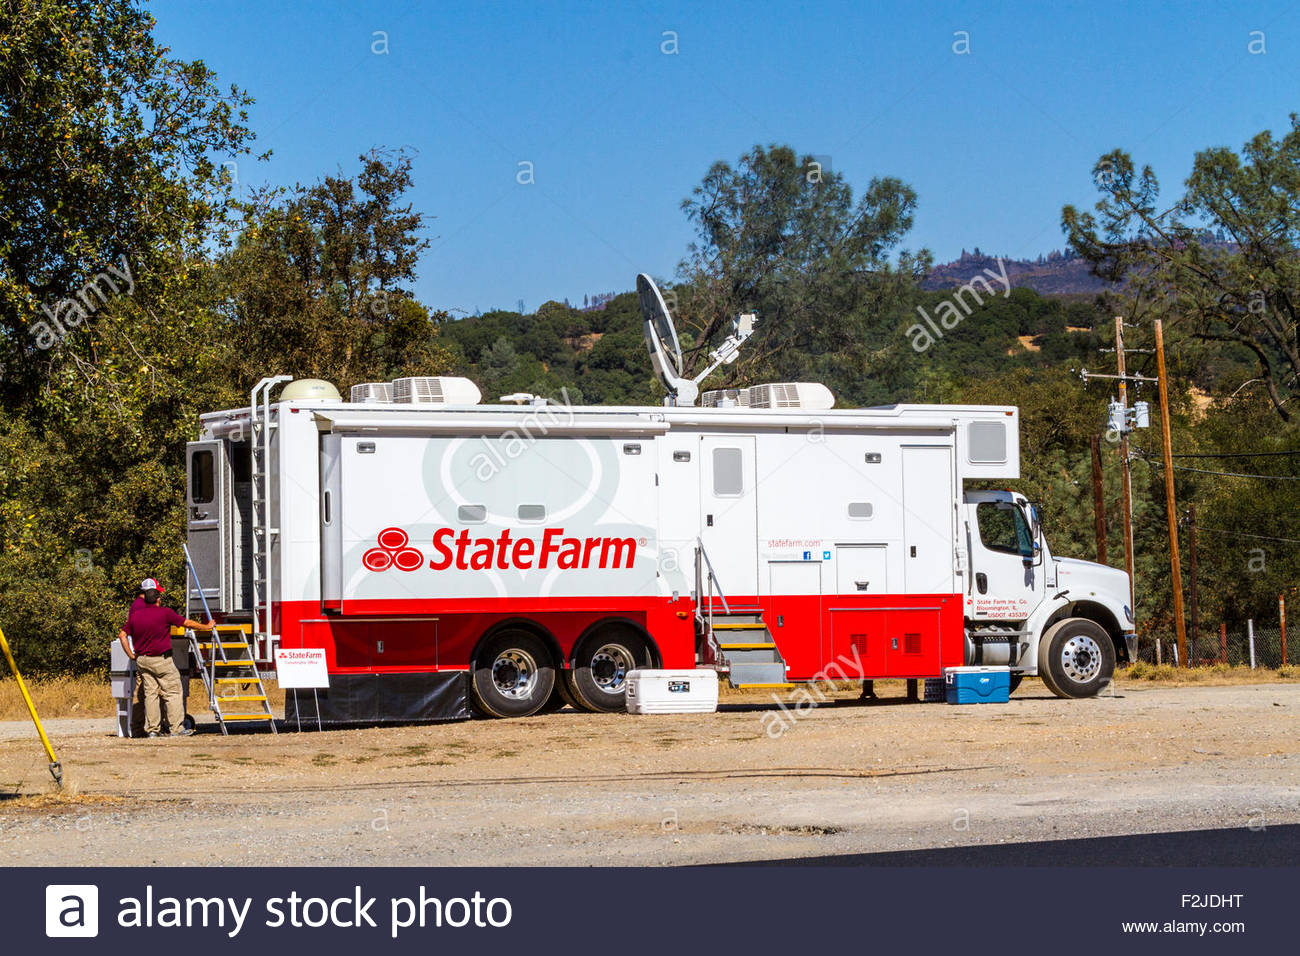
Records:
x=382, y=699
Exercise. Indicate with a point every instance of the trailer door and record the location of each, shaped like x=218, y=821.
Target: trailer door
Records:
x=928, y=505
x=729, y=511
x=207, y=524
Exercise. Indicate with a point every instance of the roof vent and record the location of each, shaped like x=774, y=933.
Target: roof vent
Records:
x=435, y=390
x=725, y=398
x=372, y=393
x=810, y=395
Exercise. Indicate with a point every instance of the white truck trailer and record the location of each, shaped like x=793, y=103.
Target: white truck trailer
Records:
x=445, y=554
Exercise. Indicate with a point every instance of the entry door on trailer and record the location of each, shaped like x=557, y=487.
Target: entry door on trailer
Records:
x=729, y=511
x=207, y=525
x=928, y=506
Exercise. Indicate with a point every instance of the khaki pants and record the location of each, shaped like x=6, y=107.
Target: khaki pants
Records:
x=159, y=674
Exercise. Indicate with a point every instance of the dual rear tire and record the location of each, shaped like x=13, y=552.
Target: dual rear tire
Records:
x=515, y=673
x=602, y=661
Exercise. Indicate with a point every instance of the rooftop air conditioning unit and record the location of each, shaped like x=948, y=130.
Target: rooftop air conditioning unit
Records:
x=435, y=390
x=373, y=393
x=808, y=395
x=719, y=397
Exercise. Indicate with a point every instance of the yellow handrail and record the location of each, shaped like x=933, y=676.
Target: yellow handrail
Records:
x=56, y=770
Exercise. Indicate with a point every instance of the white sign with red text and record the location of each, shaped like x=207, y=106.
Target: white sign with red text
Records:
x=301, y=668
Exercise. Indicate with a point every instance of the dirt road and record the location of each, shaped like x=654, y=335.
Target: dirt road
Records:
x=613, y=789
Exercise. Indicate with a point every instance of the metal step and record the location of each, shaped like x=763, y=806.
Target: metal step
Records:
x=769, y=674
x=753, y=655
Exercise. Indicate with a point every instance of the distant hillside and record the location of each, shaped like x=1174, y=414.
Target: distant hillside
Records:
x=1057, y=273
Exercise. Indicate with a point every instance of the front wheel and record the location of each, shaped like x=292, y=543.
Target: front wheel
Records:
x=513, y=674
x=1076, y=658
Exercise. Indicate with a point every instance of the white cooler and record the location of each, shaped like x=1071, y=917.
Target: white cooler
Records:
x=672, y=692
x=125, y=681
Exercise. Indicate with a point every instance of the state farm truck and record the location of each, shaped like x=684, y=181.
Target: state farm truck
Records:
x=445, y=553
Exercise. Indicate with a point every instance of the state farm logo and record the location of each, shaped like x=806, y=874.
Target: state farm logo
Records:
x=392, y=552
x=452, y=549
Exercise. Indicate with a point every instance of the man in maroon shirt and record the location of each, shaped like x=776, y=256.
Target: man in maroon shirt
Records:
x=149, y=627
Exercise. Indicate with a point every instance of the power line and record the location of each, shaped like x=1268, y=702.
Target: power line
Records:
x=1232, y=474
x=1242, y=534
x=1243, y=454
x=1221, y=474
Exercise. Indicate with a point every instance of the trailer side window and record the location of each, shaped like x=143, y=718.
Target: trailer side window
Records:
x=531, y=512
x=472, y=514
x=728, y=472
x=1004, y=529
x=201, y=477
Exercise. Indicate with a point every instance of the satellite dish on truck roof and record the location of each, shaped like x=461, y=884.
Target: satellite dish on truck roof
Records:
x=660, y=334
x=666, y=351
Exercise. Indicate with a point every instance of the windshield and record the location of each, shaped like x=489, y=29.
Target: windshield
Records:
x=1003, y=528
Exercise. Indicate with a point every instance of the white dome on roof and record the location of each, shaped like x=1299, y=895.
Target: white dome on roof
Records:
x=310, y=390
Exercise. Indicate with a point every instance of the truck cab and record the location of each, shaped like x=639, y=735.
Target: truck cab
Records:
x=1064, y=620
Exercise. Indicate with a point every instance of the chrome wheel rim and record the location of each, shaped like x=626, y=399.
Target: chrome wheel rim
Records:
x=514, y=673
x=609, y=667
x=1081, y=658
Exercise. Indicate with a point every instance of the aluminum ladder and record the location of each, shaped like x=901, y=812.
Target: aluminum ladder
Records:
x=264, y=533
x=227, y=664
x=226, y=660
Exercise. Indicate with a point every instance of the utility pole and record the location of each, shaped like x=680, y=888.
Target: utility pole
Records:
x=1171, y=507
x=1098, y=501
x=1191, y=560
x=1121, y=420
x=1128, y=478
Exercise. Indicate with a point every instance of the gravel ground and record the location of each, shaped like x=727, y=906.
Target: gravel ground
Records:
x=580, y=789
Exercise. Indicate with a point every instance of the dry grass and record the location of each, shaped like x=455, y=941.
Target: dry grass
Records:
x=1214, y=674
x=92, y=697
x=57, y=697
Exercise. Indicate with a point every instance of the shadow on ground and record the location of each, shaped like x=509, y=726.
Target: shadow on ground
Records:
x=1238, y=846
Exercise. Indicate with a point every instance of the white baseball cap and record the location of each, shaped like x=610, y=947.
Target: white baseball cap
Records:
x=149, y=584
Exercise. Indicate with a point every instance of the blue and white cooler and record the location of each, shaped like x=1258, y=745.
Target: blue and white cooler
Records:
x=977, y=685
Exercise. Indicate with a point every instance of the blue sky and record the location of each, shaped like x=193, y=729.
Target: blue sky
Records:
x=618, y=132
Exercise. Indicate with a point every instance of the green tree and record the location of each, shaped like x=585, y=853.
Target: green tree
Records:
x=111, y=148
x=780, y=235
x=1245, y=293
x=317, y=283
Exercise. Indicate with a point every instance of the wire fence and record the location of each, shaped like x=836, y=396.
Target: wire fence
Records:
x=1233, y=646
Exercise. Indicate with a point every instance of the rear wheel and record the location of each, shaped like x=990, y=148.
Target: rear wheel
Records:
x=1076, y=658
x=601, y=666
x=513, y=674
